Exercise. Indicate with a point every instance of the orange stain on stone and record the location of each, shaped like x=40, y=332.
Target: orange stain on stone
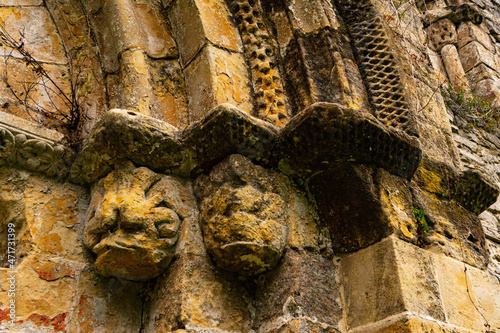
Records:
x=58, y=322
x=51, y=271
x=51, y=243
x=3, y=314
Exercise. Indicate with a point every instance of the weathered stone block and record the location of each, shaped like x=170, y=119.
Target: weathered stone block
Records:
x=133, y=221
x=469, y=32
x=474, y=54
x=438, y=144
x=381, y=281
x=36, y=297
x=70, y=15
x=410, y=324
x=299, y=325
x=13, y=209
x=244, y=215
x=41, y=38
x=188, y=29
x=481, y=72
x=218, y=25
x=227, y=130
x=306, y=231
x=454, y=68
x=122, y=25
x=308, y=16
x=494, y=249
x=304, y=286
x=193, y=293
x=453, y=230
x=55, y=220
x=326, y=135
x=127, y=134
x=277, y=12
x=21, y=2
x=266, y=77
x=215, y=77
x=488, y=89
x=438, y=65
x=491, y=226
x=195, y=21
x=361, y=197
x=458, y=297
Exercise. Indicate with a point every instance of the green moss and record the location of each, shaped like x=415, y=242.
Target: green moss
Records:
x=421, y=223
x=475, y=111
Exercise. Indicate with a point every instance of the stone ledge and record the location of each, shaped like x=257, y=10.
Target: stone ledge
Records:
x=326, y=134
x=408, y=323
x=320, y=136
x=225, y=131
x=126, y=134
x=474, y=191
x=457, y=14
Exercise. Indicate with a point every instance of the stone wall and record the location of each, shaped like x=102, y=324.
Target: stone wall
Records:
x=250, y=166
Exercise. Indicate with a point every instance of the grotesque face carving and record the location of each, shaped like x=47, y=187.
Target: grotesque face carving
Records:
x=243, y=215
x=133, y=222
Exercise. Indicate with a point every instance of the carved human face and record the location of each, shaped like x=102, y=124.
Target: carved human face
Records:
x=243, y=216
x=133, y=222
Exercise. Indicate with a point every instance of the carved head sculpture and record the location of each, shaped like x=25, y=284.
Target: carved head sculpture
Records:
x=133, y=222
x=243, y=215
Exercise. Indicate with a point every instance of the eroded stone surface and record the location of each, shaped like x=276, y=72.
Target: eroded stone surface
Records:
x=243, y=211
x=193, y=296
x=326, y=135
x=441, y=33
x=133, y=222
x=301, y=293
x=127, y=134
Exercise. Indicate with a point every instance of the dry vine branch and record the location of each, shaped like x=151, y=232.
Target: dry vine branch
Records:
x=65, y=110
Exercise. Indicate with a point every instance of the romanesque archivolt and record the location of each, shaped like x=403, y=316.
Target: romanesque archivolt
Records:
x=379, y=66
x=268, y=87
x=133, y=222
x=243, y=213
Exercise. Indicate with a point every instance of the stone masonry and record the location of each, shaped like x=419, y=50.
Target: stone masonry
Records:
x=249, y=166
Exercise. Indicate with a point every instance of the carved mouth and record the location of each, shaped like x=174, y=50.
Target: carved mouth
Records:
x=242, y=244
x=108, y=244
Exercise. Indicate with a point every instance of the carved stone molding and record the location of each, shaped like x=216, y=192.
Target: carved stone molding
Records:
x=32, y=148
x=321, y=137
x=327, y=135
x=268, y=87
x=379, y=65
